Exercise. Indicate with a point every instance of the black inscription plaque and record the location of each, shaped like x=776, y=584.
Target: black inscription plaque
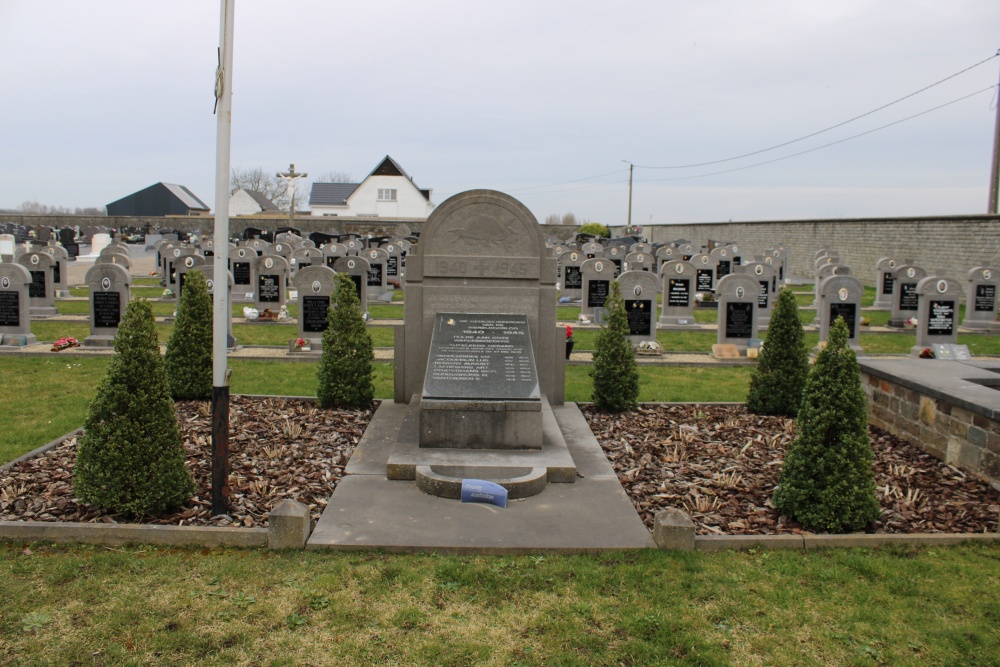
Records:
x=36, y=290
x=484, y=357
x=357, y=287
x=375, y=275
x=704, y=280
x=56, y=273
x=303, y=265
x=739, y=320
x=107, y=309
x=679, y=293
x=73, y=249
x=314, y=313
x=848, y=311
x=10, y=309
x=908, y=298
x=597, y=293
x=941, y=318
x=209, y=253
x=640, y=317
x=241, y=273
x=574, y=279
x=737, y=261
x=985, y=298
x=181, y=277
x=330, y=260
x=887, y=282
x=762, y=299
x=392, y=266
x=267, y=288
x=722, y=269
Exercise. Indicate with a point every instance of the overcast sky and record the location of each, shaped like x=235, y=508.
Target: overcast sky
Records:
x=542, y=100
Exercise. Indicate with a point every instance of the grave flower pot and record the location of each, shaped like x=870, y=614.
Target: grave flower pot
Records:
x=569, y=347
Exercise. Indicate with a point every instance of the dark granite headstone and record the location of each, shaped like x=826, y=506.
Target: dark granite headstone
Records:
x=679, y=294
x=241, y=273
x=640, y=316
x=107, y=309
x=941, y=318
x=739, y=320
x=314, y=313
x=848, y=311
x=481, y=357
x=597, y=293
x=10, y=309
x=268, y=289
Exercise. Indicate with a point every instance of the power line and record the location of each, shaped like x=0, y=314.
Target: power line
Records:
x=832, y=143
x=832, y=127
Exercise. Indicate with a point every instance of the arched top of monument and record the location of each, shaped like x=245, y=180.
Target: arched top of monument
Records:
x=479, y=223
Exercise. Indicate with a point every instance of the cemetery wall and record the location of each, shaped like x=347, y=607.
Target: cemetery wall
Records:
x=954, y=244
x=948, y=432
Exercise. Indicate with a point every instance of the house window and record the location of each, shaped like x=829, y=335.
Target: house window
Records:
x=387, y=194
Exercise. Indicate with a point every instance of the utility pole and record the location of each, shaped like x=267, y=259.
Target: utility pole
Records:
x=220, y=303
x=628, y=225
x=995, y=171
x=291, y=175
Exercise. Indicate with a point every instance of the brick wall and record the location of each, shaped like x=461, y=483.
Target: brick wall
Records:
x=949, y=432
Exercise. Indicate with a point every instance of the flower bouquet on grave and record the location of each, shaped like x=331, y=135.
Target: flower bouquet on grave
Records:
x=927, y=353
x=250, y=313
x=866, y=321
x=910, y=323
x=649, y=348
x=168, y=294
x=64, y=343
x=302, y=345
x=569, y=341
x=267, y=315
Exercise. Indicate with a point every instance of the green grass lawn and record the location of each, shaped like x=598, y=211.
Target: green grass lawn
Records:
x=66, y=605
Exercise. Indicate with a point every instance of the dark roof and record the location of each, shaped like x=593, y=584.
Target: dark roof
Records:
x=389, y=167
x=331, y=194
x=186, y=196
x=158, y=199
x=262, y=201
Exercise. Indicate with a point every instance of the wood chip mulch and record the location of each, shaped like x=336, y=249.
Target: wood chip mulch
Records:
x=721, y=465
x=279, y=448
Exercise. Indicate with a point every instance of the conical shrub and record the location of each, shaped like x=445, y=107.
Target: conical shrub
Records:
x=346, y=369
x=615, y=371
x=189, y=348
x=779, y=377
x=827, y=482
x=130, y=459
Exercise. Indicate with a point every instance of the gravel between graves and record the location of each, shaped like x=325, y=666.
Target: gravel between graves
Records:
x=719, y=463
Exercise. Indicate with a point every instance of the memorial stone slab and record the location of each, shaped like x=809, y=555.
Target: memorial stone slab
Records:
x=394, y=261
x=645, y=248
x=840, y=296
x=271, y=276
x=354, y=247
x=572, y=278
x=60, y=260
x=208, y=269
x=331, y=251
x=981, y=299
x=110, y=290
x=640, y=261
x=677, y=282
x=357, y=268
x=41, y=292
x=15, y=304
x=665, y=254
x=766, y=277
x=303, y=257
x=243, y=262
x=592, y=249
x=638, y=289
x=616, y=254
x=688, y=251
x=737, y=255
x=704, y=268
x=183, y=266
x=937, y=312
x=377, y=260
x=598, y=274
x=738, y=295
x=724, y=262
x=315, y=285
x=905, y=301
x=884, y=282
x=822, y=273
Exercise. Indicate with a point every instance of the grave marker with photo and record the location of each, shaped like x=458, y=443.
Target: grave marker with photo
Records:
x=638, y=289
x=41, y=292
x=738, y=295
x=598, y=274
x=208, y=269
x=110, y=289
x=905, y=301
x=937, y=312
x=981, y=299
x=677, y=283
x=884, y=282
x=377, y=259
x=15, y=305
x=357, y=268
x=271, y=276
x=840, y=296
x=315, y=285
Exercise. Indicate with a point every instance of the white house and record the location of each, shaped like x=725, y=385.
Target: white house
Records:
x=244, y=202
x=387, y=192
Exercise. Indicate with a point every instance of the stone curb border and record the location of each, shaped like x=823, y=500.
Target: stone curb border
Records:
x=118, y=534
x=41, y=450
x=812, y=542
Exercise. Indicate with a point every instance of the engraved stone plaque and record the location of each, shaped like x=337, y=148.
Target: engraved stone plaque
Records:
x=107, y=309
x=739, y=320
x=314, y=313
x=10, y=309
x=640, y=316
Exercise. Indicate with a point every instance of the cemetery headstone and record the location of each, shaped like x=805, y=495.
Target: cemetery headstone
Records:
x=905, y=301
x=738, y=295
x=110, y=290
x=315, y=285
x=981, y=299
x=640, y=261
x=271, y=276
x=884, y=282
x=208, y=269
x=598, y=274
x=638, y=289
x=377, y=260
x=704, y=269
x=724, y=262
x=840, y=296
x=592, y=249
x=303, y=257
x=572, y=278
x=243, y=262
x=183, y=266
x=15, y=305
x=60, y=274
x=766, y=277
x=677, y=282
x=357, y=268
x=98, y=242
x=937, y=313
x=331, y=251
x=616, y=254
x=665, y=254
x=41, y=292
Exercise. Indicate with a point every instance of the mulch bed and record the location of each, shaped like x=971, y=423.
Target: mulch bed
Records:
x=721, y=465
x=279, y=448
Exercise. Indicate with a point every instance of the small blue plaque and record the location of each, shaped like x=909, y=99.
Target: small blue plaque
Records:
x=481, y=491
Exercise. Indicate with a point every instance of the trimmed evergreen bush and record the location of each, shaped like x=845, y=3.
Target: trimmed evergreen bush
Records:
x=130, y=459
x=827, y=482
x=346, y=369
x=189, y=348
x=615, y=371
x=777, y=381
